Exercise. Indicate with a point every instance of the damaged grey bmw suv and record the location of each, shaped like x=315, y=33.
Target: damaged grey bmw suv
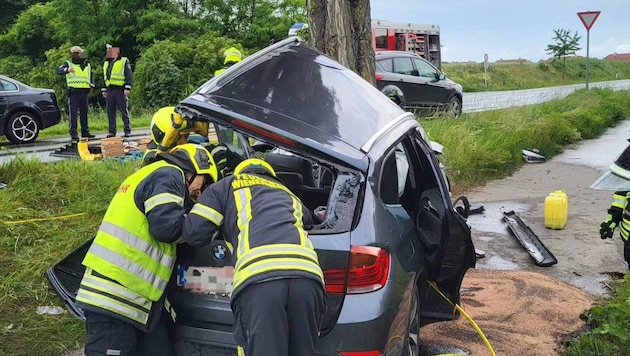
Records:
x=338, y=142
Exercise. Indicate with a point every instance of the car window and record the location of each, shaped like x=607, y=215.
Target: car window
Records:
x=386, y=65
x=236, y=143
x=425, y=69
x=395, y=176
x=7, y=85
x=403, y=66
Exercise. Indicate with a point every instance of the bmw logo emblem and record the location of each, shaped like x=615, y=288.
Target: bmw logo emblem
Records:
x=219, y=252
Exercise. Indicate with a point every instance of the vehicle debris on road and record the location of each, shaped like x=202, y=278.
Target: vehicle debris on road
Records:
x=529, y=240
x=532, y=155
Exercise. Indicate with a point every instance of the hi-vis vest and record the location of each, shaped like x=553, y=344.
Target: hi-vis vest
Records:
x=219, y=71
x=621, y=202
x=124, y=251
x=80, y=78
x=117, y=77
x=278, y=251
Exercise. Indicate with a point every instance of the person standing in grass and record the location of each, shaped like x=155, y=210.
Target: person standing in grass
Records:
x=80, y=82
x=118, y=79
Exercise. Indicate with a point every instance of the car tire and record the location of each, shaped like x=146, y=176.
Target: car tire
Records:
x=412, y=346
x=22, y=127
x=454, y=107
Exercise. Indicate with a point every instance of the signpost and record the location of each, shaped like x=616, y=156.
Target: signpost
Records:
x=485, y=69
x=588, y=18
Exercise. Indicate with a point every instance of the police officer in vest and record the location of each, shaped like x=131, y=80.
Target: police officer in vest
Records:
x=80, y=82
x=131, y=259
x=118, y=79
x=231, y=56
x=278, y=293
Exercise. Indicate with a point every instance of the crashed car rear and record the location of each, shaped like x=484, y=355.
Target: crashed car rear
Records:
x=336, y=142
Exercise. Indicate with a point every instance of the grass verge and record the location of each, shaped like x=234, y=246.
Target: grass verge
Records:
x=38, y=190
x=607, y=324
x=479, y=147
x=97, y=119
x=511, y=76
x=487, y=145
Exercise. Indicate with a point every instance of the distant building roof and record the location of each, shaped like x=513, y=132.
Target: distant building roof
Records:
x=625, y=57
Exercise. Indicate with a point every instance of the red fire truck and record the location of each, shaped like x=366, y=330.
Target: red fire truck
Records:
x=400, y=36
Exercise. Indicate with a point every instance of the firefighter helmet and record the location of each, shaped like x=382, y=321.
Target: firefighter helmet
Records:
x=232, y=55
x=160, y=123
x=193, y=158
x=254, y=165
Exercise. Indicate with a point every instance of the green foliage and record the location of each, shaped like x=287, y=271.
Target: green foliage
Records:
x=487, y=145
x=608, y=324
x=168, y=71
x=38, y=190
x=565, y=45
x=31, y=35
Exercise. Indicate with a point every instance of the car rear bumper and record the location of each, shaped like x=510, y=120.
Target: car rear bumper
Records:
x=50, y=118
x=365, y=336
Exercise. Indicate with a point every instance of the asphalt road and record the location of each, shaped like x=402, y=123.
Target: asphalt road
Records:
x=472, y=102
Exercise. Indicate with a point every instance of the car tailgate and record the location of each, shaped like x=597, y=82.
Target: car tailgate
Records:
x=66, y=275
x=201, y=298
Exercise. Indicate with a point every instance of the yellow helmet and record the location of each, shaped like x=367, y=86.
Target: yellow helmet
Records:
x=233, y=55
x=254, y=165
x=193, y=158
x=160, y=123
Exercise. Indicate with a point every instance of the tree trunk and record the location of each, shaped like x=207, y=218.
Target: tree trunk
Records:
x=342, y=30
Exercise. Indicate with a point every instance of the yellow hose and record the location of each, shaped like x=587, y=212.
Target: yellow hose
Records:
x=44, y=219
x=472, y=322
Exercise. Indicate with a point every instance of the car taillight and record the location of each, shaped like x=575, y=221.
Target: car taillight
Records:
x=367, y=271
x=360, y=353
x=379, y=76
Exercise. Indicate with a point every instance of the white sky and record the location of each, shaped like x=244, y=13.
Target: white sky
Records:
x=510, y=29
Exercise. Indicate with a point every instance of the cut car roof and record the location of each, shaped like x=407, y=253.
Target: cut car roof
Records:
x=296, y=92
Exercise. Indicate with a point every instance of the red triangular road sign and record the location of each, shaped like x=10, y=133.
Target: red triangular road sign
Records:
x=588, y=18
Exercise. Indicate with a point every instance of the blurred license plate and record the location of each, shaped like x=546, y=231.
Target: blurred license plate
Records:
x=206, y=280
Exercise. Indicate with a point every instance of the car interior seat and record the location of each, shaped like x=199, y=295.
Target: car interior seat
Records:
x=291, y=170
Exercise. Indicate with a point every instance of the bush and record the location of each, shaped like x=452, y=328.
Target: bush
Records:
x=168, y=71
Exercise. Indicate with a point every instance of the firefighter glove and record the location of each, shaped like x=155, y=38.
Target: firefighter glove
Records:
x=607, y=228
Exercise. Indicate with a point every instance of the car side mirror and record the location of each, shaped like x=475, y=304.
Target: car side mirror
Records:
x=415, y=73
x=440, y=76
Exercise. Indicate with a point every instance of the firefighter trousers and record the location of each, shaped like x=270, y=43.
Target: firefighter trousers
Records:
x=107, y=336
x=279, y=317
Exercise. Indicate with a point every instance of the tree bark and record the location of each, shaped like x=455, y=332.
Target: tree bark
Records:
x=342, y=30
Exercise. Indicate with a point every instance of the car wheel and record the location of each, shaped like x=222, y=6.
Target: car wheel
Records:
x=454, y=107
x=22, y=127
x=393, y=95
x=412, y=347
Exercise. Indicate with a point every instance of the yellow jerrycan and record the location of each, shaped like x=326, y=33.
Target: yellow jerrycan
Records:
x=556, y=210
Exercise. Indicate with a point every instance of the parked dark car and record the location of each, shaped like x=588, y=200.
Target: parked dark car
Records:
x=25, y=111
x=415, y=84
x=335, y=141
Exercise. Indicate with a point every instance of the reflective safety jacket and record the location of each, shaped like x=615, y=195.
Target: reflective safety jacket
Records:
x=620, y=213
x=263, y=221
x=81, y=78
x=119, y=75
x=131, y=259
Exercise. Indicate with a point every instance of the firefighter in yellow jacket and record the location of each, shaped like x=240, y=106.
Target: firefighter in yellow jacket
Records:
x=278, y=293
x=231, y=56
x=132, y=256
x=618, y=215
